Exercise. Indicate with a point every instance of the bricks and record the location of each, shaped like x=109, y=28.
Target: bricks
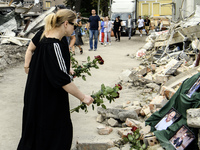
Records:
x=150, y=141
x=131, y=122
x=167, y=92
x=145, y=110
x=124, y=131
x=159, y=101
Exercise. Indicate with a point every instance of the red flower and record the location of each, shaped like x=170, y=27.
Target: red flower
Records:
x=118, y=85
x=99, y=59
x=134, y=128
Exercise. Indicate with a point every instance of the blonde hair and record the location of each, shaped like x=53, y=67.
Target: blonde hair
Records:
x=54, y=20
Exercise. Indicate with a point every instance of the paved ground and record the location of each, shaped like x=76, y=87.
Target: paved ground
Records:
x=12, y=90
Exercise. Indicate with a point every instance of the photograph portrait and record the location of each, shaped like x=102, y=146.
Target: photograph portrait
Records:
x=182, y=138
x=194, y=88
x=169, y=118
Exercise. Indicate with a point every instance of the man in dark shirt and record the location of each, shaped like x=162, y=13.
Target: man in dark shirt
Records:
x=94, y=25
x=147, y=25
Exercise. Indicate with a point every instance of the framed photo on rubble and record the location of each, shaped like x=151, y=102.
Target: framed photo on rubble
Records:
x=194, y=88
x=169, y=118
x=182, y=138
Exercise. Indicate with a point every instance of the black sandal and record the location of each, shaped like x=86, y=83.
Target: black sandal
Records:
x=81, y=50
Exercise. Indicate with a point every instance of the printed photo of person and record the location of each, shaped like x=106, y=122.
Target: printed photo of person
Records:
x=182, y=138
x=194, y=88
x=171, y=116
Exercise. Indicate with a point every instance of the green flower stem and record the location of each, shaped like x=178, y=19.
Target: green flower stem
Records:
x=105, y=92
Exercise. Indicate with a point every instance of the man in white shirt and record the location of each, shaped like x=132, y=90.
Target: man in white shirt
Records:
x=140, y=23
x=166, y=121
x=129, y=25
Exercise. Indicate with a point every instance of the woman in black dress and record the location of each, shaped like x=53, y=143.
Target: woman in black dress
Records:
x=117, y=29
x=78, y=35
x=46, y=117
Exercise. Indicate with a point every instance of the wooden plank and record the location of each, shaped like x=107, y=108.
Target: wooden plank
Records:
x=37, y=21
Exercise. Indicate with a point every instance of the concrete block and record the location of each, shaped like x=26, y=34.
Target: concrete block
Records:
x=153, y=86
x=128, y=114
x=104, y=130
x=100, y=118
x=147, y=90
x=153, y=67
x=135, y=108
x=159, y=101
x=145, y=110
x=124, y=131
x=168, y=92
x=145, y=130
x=113, y=148
x=92, y=145
x=161, y=78
x=150, y=141
x=144, y=71
x=112, y=122
x=131, y=122
x=193, y=117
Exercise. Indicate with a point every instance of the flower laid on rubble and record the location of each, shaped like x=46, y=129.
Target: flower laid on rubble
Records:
x=81, y=70
x=134, y=139
x=105, y=92
x=99, y=59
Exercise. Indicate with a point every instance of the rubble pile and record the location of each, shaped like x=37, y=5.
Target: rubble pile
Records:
x=169, y=58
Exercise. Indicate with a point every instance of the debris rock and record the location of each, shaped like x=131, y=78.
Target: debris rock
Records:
x=193, y=117
x=104, y=130
x=112, y=122
x=131, y=122
x=124, y=131
x=128, y=114
x=100, y=118
x=159, y=101
x=154, y=86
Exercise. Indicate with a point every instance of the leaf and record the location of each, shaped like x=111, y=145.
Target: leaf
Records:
x=144, y=146
x=125, y=139
x=137, y=136
x=88, y=58
x=130, y=137
x=103, y=87
x=109, y=89
x=103, y=106
x=83, y=77
x=114, y=94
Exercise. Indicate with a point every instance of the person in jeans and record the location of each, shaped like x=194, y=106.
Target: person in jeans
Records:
x=107, y=31
x=129, y=25
x=94, y=25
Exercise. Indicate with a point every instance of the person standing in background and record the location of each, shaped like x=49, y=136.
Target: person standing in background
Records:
x=117, y=29
x=109, y=30
x=102, y=31
x=129, y=25
x=94, y=25
x=140, y=23
x=147, y=24
x=78, y=34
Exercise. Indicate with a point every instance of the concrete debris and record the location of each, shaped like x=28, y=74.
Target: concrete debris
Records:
x=104, y=130
x=193, y=117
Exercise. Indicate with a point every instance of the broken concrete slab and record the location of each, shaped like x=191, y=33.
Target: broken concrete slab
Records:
x=112, y=122
x=193, y=117
x=92, y=145
x=153, y=86
x=37, y=21
x=159, y=101
x=128, y=114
